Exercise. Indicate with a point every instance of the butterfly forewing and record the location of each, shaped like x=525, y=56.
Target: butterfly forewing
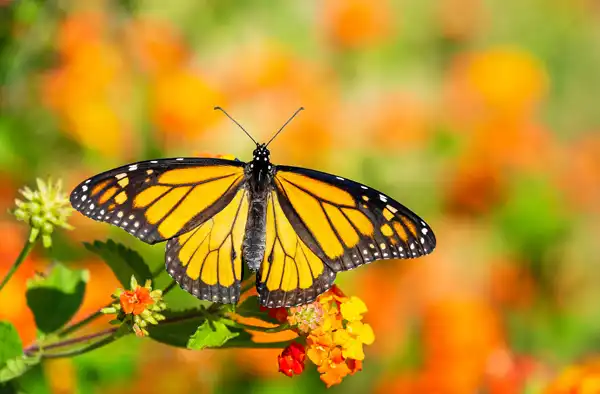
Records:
x=160, y=199
x=348, y=224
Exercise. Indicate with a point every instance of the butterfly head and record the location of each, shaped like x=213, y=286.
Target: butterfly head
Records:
x=260, y=167
x=261, y=154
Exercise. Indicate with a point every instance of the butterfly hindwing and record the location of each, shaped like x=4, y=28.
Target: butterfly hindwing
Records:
x=207, y=261
x=160, y=199
x=291, y=273
x=348, y=224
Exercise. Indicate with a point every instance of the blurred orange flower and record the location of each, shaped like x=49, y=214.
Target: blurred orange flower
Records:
x=475, y=186
x=157, y=45
x=577, y=379
x=511, y=285
x=503, y=82
x=461, y=25
x=88, y=89
x=182, y=104
x=459, y=335
x=579, y=172
x=398, y=122
x=357, y=23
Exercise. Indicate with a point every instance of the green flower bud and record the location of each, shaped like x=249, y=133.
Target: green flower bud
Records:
x=37, y=221
x=20, y=214
x=34, y=208
x=47, y=228
x=44, y=209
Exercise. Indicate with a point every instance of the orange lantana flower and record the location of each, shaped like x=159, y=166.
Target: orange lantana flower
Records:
x=335, y=334
x=136, y=301
x=137, y=307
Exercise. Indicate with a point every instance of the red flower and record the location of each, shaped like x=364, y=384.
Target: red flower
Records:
x=279, y=314
x=291, y=360
x=136, y=301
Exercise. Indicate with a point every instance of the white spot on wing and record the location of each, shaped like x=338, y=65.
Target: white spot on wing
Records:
x=84, y=188
x=383, y=198
x=424, y=231
x=179, y=159
x=364, y=187
x=340, y=178
x=132, y=168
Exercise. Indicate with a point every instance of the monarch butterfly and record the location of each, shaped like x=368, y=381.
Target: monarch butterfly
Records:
x=295, y=228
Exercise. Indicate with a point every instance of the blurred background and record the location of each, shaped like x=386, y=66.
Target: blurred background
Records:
x=481, y=116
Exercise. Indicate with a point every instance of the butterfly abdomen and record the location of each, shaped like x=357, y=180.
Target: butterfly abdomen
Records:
x=253, y=247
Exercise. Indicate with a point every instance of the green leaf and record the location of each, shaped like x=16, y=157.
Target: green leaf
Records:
x=251, y=308
x=176, y=333
x=123, y=262
x=17, y=366
x=212, y=333
x=55, y=299
x=10, y=343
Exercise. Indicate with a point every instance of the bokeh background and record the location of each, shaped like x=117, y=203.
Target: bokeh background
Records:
x=481, y=116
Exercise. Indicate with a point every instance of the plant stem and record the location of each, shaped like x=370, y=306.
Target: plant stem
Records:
x=279, y=328
x=170, y=287
x=77, y=352
x=24, y=252
x=83, y=322
x=259, y=345
x=109, y=337
x=72, y=341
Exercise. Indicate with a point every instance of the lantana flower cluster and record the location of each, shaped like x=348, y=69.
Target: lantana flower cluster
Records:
x=334, y=332
x=138, y=307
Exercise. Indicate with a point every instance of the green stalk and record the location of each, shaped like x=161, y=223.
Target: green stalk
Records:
x=24, y=252
x=282, y=327
x=96, y=345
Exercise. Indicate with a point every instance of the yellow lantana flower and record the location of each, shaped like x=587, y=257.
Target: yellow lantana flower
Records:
x=353, y=309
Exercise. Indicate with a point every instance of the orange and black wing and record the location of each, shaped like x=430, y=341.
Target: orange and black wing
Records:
x=160, y=199
x=207, y=261
x=291, y=273
x=347, y=224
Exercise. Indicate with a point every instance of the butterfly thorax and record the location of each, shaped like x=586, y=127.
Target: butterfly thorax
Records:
x=259, y=174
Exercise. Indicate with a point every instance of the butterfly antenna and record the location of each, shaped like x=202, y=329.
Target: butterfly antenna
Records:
x=285, y=124
x=234, y=121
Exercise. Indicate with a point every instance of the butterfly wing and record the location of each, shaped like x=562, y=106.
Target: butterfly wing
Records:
x=207, y=261
x=348, y=224
x=160, y=199
x=291, y=273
